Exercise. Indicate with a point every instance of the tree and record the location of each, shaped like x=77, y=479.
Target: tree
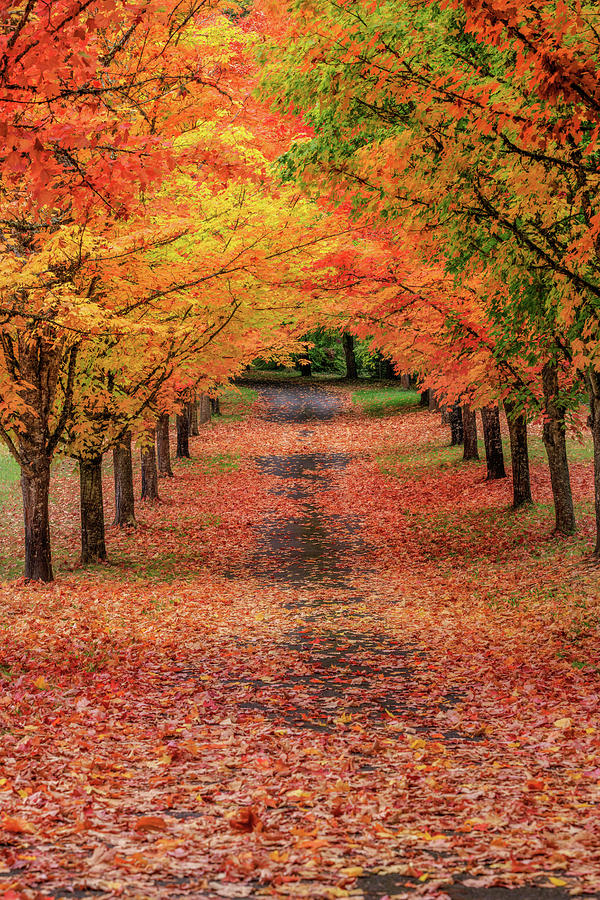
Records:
x=351, y=369
x=101, y=283
x=446, y=119
x=69, y=181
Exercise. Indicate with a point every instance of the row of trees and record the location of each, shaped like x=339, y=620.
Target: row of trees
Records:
x=146, y=252
x=155, y=461
x=463, y=140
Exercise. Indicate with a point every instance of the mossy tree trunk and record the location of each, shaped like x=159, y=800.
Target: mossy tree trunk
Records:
x=124, y=492
x=492, y=436
x=555, y=442
x=470, y=445
x=93, y=544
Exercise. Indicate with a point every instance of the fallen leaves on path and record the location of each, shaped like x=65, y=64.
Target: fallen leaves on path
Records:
x=189, y=724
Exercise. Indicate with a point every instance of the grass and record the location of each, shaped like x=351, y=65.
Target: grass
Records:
x=271, y=374
x=220, y=462
x=384, y=401
x=236, y=404
x=278, y=376
x=509, y=559
x=9, y=471
x=419, y=461
x=416, y=463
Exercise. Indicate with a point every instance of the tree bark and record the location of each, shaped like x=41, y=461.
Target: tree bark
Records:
x=387, y=370
x=424, y=401
x=351, y=368
x=93, y=545
x=124, y=493
x=305, y=369
x=204, y=409
x=149, y=473
x=36, y=361
x=456, y=425
x=471, y=447
x=405, y=381
x=183, y=435
x=593, y=380
x=35, y=486
x=193, y=417
x=163, y=448
x=433, y=403
x=492, y=436
x=555, y=442
x=517, y=429
x=215, y=404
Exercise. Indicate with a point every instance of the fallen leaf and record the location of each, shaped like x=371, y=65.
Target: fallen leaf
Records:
x=150, y=823
x=563, y=723
x=16, y=825
x=245, y=820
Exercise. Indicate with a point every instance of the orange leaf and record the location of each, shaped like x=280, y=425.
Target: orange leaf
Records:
x=245, y=820
x=150, y=823
x=17, y=826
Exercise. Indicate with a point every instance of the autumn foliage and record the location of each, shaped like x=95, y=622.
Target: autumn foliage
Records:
x=307, y=647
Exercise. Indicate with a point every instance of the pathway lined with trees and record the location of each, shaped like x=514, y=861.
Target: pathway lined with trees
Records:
x=322, y=637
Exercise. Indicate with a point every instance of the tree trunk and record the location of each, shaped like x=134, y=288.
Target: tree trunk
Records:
x=124, y=495
x=492, y=436
x=193, y=417
x=388, y=370
x=163, y=448
x=433, y=403
x=204, y=409
x=405, y=381
x=348, y=344
x=35, y=486
x=149, y=473
x=93, y=546
x=215, y=404
x=555, y=442
x=593, y=380
x=517, y=428
x=424, y=401
x=305, y=369
x=183, y=435
x=456, y=425
x=471, y=448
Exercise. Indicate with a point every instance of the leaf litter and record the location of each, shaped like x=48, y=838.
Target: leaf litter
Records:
x=306, y=698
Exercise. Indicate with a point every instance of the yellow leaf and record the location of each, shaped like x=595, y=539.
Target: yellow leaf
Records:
x=424, y=877
x=41, y=684
x=344, y=719
x=299, y=795
x=557, y=882
x=563, y=723
x=352, y=871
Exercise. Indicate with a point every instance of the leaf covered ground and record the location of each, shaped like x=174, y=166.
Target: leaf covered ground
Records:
x=330, y=663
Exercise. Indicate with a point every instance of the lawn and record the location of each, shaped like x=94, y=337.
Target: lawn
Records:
x=384, y=400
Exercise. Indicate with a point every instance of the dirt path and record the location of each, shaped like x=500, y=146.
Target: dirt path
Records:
x=367, y=675
x=299, y=707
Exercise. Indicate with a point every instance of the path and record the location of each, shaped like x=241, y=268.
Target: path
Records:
x=363, y=675
x=292, y=701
